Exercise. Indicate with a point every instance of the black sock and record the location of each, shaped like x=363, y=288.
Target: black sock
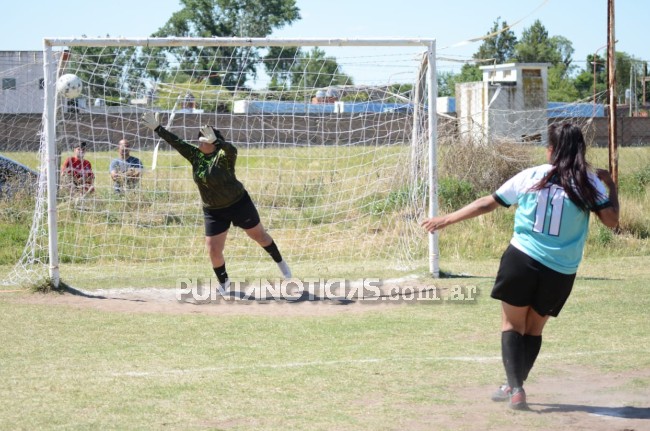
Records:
x=513, y=355
x=272, y=249
x=532, y=345
x=221, y=273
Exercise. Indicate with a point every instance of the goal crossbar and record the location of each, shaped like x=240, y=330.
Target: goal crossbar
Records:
x=232, y=41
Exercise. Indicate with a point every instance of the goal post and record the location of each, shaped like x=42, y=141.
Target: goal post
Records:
x=338, y=153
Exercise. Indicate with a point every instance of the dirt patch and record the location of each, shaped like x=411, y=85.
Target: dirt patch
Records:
x=574, y=398
x=272, y=300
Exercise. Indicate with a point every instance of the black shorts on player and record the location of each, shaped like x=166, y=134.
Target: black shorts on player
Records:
x=242, y=214
x=522, y=281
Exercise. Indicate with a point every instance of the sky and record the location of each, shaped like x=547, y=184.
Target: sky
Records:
x=451, y=22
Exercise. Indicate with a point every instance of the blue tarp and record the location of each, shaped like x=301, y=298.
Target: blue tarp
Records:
x=562, y=109
x=273, y=107
x=555, y=109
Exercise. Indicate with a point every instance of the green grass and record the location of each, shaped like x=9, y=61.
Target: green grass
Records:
x=385, y=368
x=74, y=368
x=315, y=202
x=160, y=228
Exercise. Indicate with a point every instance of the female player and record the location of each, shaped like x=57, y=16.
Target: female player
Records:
x=225, y=200
x=538, y=268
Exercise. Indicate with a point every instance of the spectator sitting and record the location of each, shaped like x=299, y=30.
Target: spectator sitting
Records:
x=125, y=170
x=77, y=175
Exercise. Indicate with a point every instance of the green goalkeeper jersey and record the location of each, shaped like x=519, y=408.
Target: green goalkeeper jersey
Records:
x=214, y=174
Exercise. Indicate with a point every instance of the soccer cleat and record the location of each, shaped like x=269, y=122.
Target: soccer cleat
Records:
x=502, y=394
x=284, y=268
x=224, y=287
x=518, y=399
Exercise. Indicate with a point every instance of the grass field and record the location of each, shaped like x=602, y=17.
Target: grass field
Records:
x=75, y=362
x=317, y=215
x=314, y=201
x=352, y=367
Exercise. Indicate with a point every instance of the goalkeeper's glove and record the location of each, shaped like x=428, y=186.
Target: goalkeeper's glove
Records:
x=208, y=135
x=150, y=120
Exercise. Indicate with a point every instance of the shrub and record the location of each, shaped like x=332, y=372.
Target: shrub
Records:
x=485, y=167
x=636, y=183
x=454, y=193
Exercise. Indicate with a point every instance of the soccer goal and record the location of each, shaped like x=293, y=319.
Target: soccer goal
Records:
x=336, y=150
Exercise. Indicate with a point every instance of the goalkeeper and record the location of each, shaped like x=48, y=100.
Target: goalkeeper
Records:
x=225, y=200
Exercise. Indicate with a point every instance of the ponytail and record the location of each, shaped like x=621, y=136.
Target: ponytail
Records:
x=570, y=166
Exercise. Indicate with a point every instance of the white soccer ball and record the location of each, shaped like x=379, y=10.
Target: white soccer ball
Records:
x=69, y=85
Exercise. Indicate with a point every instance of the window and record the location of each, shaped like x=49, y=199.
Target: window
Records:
x=8, y=83
x=41, y=83
x=531, y=72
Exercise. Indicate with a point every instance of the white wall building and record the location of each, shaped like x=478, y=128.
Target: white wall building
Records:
x=21, y=82
x=509, y=104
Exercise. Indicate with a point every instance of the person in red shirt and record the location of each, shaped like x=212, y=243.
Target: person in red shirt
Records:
x=77, y=175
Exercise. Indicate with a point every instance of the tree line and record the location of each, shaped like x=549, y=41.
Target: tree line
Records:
x=567, y=82
x=292, y=69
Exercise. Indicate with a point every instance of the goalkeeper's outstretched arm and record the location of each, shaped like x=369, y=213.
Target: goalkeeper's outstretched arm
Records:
x=151, y=121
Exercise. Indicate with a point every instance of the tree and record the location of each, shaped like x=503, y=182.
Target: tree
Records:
x=500, y=47
x=560, y=87
x=469, y=73
x=447, y=80
x=447, y=84
x=278, y=63
x=584, y=81
x=227, y=66
x=95, y=70
x=315, y=70
x=536, y=47
x=564, y=48
x=624, y=65
x=399, y=93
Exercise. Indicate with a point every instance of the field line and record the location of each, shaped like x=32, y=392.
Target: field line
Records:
x=476, y=359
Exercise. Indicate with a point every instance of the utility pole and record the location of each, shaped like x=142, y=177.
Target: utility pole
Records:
x=595, y=62
x=643, y=81
x=631, y=90
x=611, y=80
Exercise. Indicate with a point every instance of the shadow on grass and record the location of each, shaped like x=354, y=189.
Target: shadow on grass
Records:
x=302, y=297
x=76, y=292
x=626, y=412
x=446, y=274
x=599, y=279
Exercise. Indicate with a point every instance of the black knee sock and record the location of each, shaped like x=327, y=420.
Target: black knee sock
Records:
x=532, y=345
x=221, y=273
x=272, y=249
x=513, y=355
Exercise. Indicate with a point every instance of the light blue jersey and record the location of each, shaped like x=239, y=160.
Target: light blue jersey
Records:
x=549, y=227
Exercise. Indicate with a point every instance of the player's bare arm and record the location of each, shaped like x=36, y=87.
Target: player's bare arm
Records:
x=609, y=216
x=480, y=206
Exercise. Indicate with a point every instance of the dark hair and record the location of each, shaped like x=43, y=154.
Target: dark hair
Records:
x=570, y=167
x=220, y=138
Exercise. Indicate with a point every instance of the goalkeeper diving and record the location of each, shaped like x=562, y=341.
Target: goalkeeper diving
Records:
x=225, y=200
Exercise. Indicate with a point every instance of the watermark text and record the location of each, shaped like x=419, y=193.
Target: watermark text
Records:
x=316, y=289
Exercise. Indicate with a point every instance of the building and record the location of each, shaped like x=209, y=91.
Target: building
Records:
x=22, y=80
x=509, y=104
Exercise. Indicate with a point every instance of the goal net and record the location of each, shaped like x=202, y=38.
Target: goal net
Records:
x=336, y=153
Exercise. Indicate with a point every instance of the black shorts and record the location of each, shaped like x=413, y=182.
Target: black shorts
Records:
x=242, y=214
x=522, y=281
